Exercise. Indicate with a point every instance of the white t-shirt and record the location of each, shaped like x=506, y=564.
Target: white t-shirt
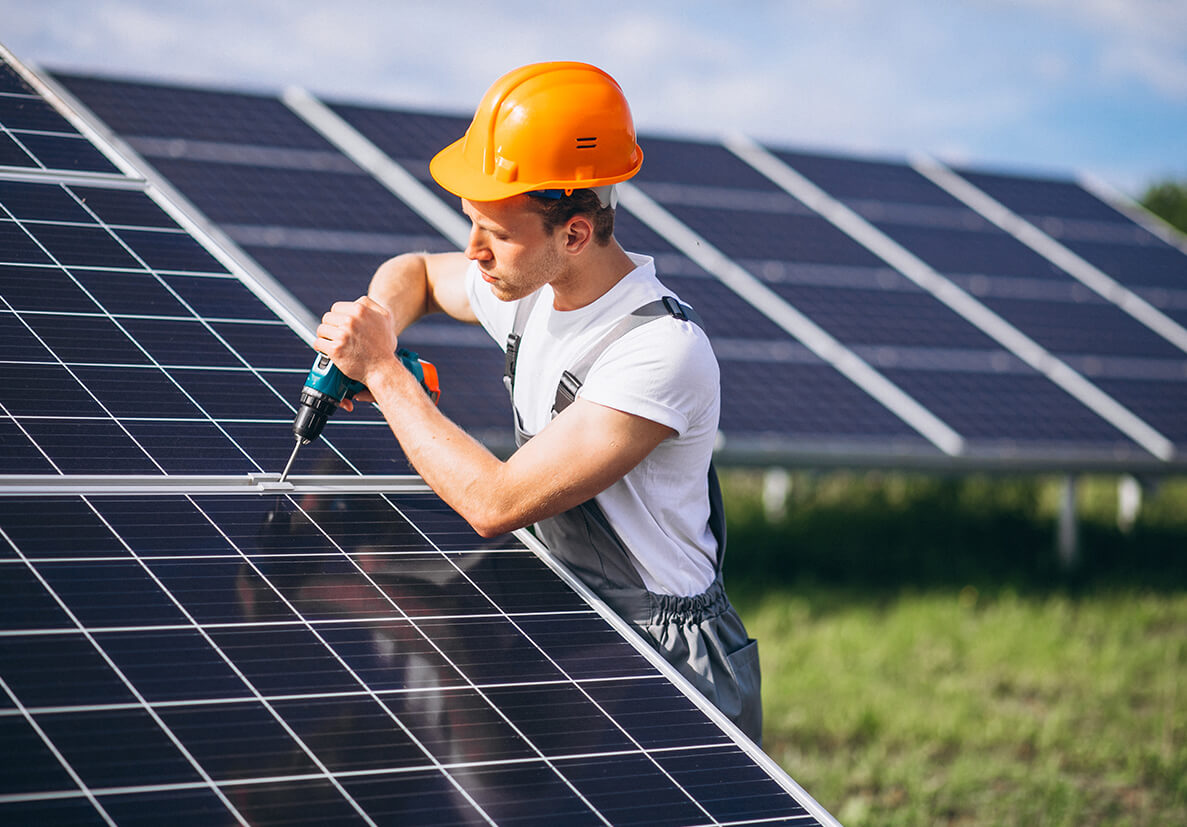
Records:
x=664, y=371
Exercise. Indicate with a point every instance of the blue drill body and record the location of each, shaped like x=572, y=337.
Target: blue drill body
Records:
x=326, y=386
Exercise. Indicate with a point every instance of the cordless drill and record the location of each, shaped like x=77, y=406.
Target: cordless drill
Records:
x=326, y=387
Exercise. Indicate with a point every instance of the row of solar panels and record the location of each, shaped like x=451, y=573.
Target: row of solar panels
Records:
x=183, y=639
x=863, y=311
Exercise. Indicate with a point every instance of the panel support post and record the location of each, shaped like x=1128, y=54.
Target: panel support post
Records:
x=776, y=485
x=1129, y=502
x=1068, y=533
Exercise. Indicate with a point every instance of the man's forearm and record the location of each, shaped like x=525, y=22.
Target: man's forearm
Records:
x=454, y=464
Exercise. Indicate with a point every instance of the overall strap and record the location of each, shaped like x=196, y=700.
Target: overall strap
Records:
x=572, y=379
x=522, y=311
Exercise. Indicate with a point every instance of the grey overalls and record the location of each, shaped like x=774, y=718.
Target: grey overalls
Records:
x=702, y=636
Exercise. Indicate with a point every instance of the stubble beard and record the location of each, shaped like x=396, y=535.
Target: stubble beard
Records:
x=534, y=275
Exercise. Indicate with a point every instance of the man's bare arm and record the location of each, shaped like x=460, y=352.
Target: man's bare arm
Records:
x=579, y=454
x=415, y=285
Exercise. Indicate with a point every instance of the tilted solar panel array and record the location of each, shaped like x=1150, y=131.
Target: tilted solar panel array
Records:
x=1091, y=334
x=956, y=365
x=184, y=639
x=863, y=313
x=1143, y=371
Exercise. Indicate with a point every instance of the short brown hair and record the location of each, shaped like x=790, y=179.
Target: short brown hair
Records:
x=556, y=211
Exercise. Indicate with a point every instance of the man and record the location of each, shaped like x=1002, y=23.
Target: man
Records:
x=615, y=390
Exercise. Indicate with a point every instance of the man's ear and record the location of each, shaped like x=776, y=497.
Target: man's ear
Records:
x=579, y=232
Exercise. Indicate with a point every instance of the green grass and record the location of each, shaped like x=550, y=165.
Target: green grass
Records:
x=952, y=707
x=926, y=662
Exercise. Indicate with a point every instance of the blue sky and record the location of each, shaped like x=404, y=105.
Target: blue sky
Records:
x=1050, y=87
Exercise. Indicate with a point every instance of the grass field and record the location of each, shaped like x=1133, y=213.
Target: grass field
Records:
x=972, y=693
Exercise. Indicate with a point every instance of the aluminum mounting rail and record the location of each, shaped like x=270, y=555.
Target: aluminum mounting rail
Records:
x=180, y=484
x=398, y=181
x=1058, y=254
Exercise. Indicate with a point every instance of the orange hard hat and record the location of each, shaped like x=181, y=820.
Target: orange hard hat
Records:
x=544, y=126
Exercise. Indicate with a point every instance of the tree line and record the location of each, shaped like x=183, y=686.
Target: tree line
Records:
x=1168, y=201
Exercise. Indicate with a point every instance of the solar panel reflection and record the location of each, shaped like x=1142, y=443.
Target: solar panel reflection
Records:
x=328, y=654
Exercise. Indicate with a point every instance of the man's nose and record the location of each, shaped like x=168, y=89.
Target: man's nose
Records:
x=476, y=250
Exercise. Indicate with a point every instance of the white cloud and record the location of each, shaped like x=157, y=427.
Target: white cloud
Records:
x=992, y=78
x=1137, y=40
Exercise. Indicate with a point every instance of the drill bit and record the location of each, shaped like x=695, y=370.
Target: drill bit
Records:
x=288, y=465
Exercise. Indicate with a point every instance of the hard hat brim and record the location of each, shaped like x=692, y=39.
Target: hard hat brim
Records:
x=452, y=171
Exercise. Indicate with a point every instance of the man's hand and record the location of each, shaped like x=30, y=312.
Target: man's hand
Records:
x=359, y=337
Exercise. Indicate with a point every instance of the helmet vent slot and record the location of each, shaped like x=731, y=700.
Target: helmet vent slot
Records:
x=587, y=143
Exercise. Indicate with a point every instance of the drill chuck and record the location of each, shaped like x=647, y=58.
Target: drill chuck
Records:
x=315, y=408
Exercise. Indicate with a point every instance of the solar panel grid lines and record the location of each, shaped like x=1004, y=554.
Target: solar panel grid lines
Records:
x=220, y=635
x=114, y=366
x=139, y=698
x=122, y=392
x=37, y=136
x=959, y=300
x=113, y=319
x=325, y=772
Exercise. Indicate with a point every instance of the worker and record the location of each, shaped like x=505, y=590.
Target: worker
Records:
x=615, y=388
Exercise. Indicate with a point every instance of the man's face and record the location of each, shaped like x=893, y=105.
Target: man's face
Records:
x=515, y=254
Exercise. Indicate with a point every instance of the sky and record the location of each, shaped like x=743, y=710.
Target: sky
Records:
x=1039, y=87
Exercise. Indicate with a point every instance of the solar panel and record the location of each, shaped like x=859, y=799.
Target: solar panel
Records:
x=183, y=638
x=925, y=346
x=135, y=330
